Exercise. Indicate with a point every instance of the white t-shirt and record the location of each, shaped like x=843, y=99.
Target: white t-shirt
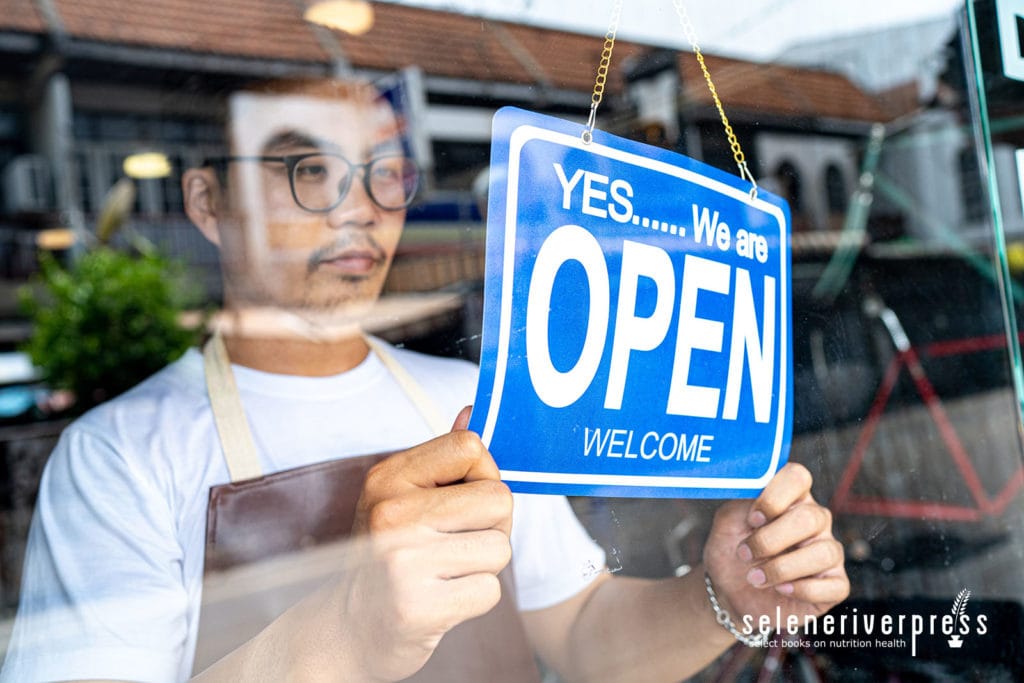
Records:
x=113, y=575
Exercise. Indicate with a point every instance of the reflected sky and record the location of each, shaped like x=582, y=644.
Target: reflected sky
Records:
x=750, y=28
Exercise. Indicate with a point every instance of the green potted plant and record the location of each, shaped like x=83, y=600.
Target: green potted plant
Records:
x=111, y=317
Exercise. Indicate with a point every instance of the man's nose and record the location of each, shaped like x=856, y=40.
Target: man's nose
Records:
x=356, y=209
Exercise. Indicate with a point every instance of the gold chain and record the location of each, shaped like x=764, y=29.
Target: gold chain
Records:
x=602, y=78
x=602, y=70
x=734, y=143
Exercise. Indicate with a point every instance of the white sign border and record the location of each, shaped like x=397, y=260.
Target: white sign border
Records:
x=527, y=133
x=1007, y=12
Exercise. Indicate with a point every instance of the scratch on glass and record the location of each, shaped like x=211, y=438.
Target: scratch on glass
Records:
x=874, y=531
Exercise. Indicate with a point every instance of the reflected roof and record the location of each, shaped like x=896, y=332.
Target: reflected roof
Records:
x=22, y=15
x=780, y=89
x=442, y=44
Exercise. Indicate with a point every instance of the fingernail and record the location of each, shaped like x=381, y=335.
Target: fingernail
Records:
x=785, y=588
x=744, y=552
x=757, y=519
x=462, y=421
x=755, y=577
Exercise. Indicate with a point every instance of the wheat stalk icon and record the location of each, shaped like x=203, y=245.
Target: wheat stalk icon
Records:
x=959, y=607
x=960, y=604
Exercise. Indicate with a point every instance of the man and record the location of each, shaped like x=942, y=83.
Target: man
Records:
x=307, y=212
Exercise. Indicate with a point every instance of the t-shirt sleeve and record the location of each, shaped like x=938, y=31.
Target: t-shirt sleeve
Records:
x=553, y=556
x=102, y=590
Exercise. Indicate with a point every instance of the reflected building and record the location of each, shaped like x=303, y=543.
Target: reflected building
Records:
x=85, y=86
x=906, y=409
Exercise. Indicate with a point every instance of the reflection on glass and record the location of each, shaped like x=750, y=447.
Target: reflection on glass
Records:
x=898, y=146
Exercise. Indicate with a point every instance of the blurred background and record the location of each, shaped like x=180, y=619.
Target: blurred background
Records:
x=894, y=130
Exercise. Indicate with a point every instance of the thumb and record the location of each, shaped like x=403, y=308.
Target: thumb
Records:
x=462, y=421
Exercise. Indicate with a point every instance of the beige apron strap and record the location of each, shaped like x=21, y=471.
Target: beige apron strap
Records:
x=412, y=389
x=232, y=427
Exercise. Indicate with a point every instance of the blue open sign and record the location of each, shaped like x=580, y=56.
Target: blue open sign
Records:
x=637, y=312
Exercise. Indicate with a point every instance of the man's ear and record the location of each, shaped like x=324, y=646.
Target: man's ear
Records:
x=201, y=192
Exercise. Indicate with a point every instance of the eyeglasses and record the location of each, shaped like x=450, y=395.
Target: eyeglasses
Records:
x=319, y=181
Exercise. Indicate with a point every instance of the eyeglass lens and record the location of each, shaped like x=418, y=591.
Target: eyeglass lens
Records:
x=321, y=181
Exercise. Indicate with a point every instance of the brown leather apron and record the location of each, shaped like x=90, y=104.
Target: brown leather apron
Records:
x=271, y=540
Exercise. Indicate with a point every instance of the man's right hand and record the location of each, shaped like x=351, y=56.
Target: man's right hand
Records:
x=436, y=520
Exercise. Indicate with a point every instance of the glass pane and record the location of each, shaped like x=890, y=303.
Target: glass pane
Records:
x=144, y=201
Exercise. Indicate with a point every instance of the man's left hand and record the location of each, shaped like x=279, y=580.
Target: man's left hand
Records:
x=776, y=551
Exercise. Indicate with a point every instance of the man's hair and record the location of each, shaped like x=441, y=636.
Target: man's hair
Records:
x=328, y=89
x=208, y=102
x=348, y=90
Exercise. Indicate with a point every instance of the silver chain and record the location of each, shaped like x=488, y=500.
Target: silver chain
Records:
x=684, y=21
x=725, y=621
x=602, y=70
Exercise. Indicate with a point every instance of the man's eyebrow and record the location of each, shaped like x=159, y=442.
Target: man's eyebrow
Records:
x=391, y=145
x=291, y=138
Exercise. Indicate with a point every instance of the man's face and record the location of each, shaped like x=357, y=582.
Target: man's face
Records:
x=274, y=252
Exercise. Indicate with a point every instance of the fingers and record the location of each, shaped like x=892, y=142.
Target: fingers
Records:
x=456, y=456
x=438, y=519
x=467, y=597
x=404, y=606
x=809, y=560
x=824, y=590
x=472, y=552
x=410, y=559
x=789, y=486
x=792, y=547
x=475, y=505
x=777, y=551
x=797, y=525
x=448, y=484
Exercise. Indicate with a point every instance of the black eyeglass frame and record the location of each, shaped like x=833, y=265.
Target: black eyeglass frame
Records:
x=291, y=162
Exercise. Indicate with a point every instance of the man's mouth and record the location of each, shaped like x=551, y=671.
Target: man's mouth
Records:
x=350, y=261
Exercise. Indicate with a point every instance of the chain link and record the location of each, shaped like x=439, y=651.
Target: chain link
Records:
x=725, y=621
x=602, y=70
x=601, y=81
x=734, y=143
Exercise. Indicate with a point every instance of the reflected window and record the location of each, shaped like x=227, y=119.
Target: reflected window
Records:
x=85, y=179
x=789, y=181
x=170, y=187
x=457, y=163
x=835, y=190
x=971, y=191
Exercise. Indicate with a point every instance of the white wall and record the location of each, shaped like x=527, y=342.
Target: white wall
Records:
x=925, y=164
x=655, y=100
x=811, y=155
